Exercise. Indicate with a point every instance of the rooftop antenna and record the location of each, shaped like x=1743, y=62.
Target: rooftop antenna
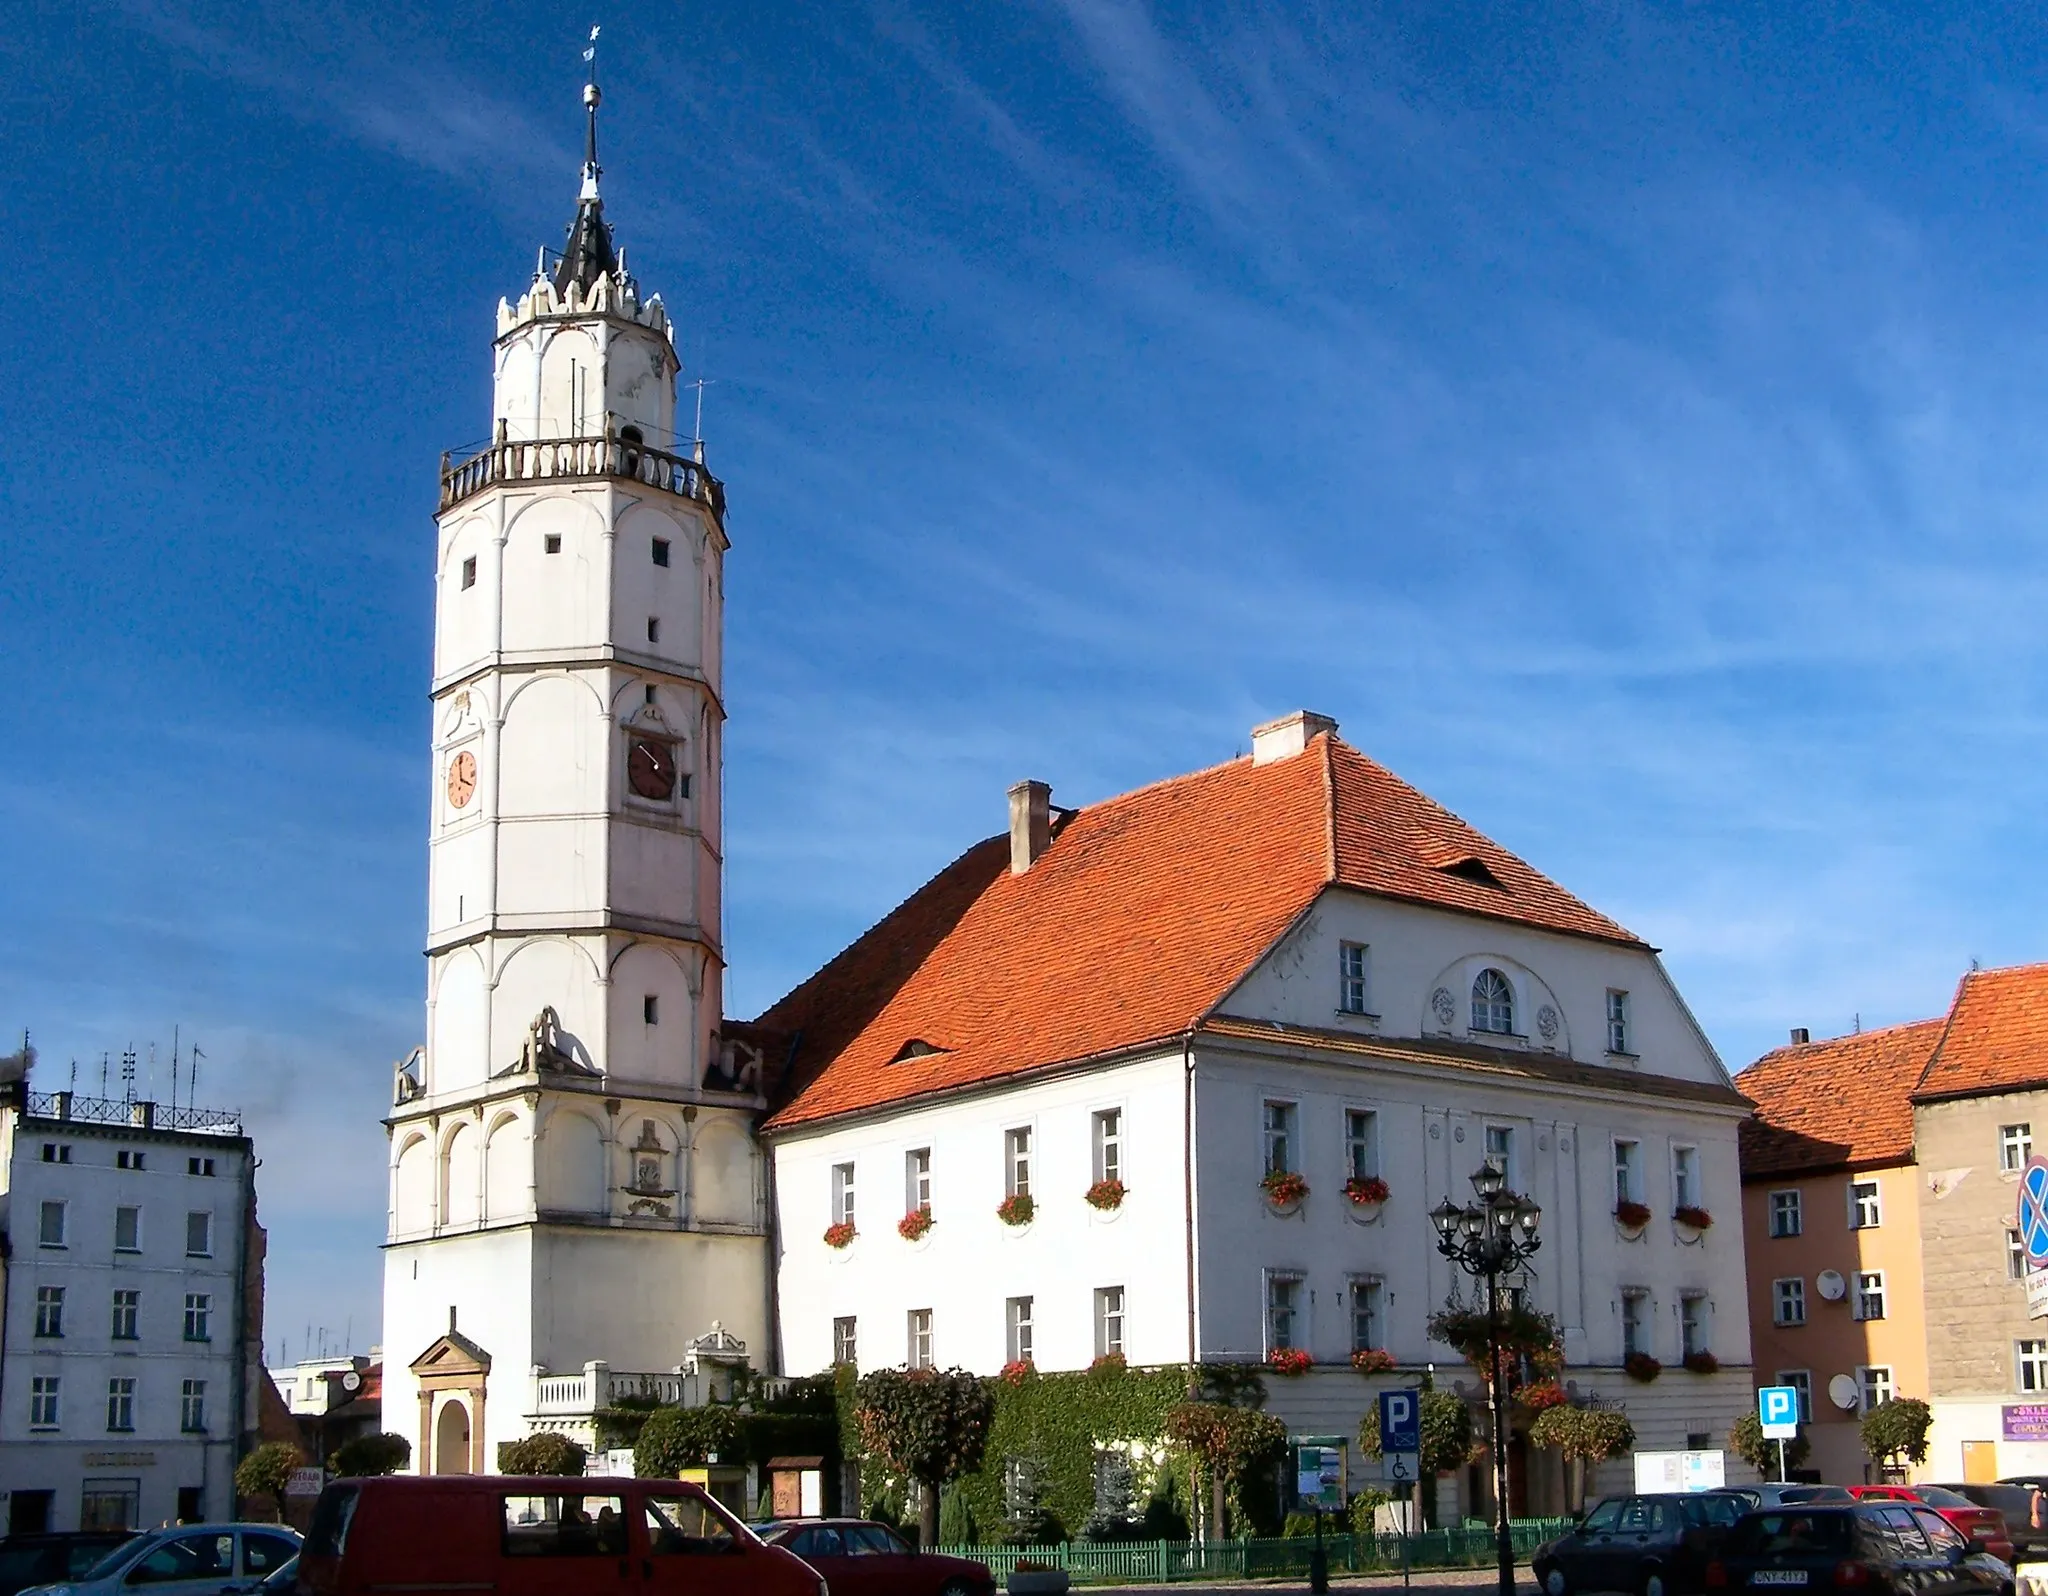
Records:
x=192, y=1081
x=103, y=1073
x=152, y=1070
x=592, y=98
x=174, y=1068
x=697, y=441
x=74, y=1075
x=128, y=1074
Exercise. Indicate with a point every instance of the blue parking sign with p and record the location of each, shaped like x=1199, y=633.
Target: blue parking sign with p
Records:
x=1777, y=1406
x=1401, y=1421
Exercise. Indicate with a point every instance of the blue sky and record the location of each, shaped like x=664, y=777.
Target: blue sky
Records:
x=1625, y=419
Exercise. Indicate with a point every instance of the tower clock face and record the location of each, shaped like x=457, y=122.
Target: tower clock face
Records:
x=462, y=779
x=651, y=769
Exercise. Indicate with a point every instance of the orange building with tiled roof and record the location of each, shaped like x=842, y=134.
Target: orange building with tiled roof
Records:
x=1133, y=1013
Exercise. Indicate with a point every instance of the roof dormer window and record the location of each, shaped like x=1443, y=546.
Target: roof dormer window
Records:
x=916, y=1047
x=1472, y=868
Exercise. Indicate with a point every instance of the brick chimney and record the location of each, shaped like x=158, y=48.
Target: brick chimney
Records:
x=1800, y=1036
x=1030, y=823
x=1288, y=736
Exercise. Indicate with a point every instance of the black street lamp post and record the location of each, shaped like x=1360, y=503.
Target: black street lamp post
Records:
x=1486, y=1238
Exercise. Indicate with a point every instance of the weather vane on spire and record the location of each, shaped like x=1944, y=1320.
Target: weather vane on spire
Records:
x=592, y=97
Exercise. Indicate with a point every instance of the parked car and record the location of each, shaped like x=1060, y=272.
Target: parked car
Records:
x=27, y=1560
x=1775, y=1493
x=859, y=1558
x=1879, y=1547
x=185, y=1560
x=1652, y=1545
x=1984, y=1526
x=521, y=1535
x=2015, y=1505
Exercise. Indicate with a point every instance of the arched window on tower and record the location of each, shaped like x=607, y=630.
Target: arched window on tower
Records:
x=1493, y=1003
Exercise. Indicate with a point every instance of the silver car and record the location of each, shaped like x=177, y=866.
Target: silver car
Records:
x=186, y=1560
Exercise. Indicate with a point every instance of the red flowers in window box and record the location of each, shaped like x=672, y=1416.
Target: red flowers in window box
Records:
x=1290, y=1361
x=1373, y=1360
x=1541, y=1394
x=1631, y=1215
x=1017, y=1209
x=1702, y=1362
x=1698, y=1218
x=1108, y=1363
x=915, y=1223
x=1106, y=1195
x=839, y=1235
x=1641, y=1366
x=1284, y=1186
x=1015, y=1371
x=1366, y=1189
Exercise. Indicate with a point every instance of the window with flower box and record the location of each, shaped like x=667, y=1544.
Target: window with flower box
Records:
x=1017, y=1329
x=1017, y=1162
x=842, y=1194
x=1283, y=1311
x=1108, y=1127
x=1362, y=1143
x=1368, y=1319
x=1279, y=1122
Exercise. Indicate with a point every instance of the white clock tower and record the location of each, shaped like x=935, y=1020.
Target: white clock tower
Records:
x=574, y=1179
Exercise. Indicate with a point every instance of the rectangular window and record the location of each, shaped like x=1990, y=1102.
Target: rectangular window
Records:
x=127, y=1158
x=551, y=543
x=1685, y=1177
x=2015, y=1255
x=1109, y=1322
x=2015, y=1146
x=842, y=1194
x=121, y=1402
x=1362, y=1143
x=661, y=551
x=1283, y=1311
x=1801, y=1380
x=1617, y=1022
x=1875, y=1383
x=650, y=1009
x=1017, y=1162
x=1635, y=1329
x=42, y=1402
x=1351, y=994
x=1869, y=1302
x=2030, y=1364
x=199, y=1235
x=1500, y=1150
x=654, y=628
x=1109, y=1144
x=1368, y=1326
x=1017, y=1329
x=845, y=1341
x=917, y=1180
x=192, y=1408
x=1786, y=1217
x=56, y=1152
x=1628, y=1172
x=199, y=1166
x=127, y=1313
x=1788, y=1301
x=920, y=1338
x=1692, y=1325
x=49, y=1310
x=469, y=572
x=127, y=1230
x=51, y=1233
x=1279, y=1138
x=1865, y=1211
x=198, y=1316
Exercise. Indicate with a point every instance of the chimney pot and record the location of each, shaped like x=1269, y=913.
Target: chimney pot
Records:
x=1030, y=823
x=1288, y=736
x=1801, y=1036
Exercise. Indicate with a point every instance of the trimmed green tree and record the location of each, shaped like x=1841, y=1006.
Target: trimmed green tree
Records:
x=1746, y=1440
x=928, y=1425
x=370, y=1454
x=1228, y=1446
x=672, y=1439
x=1582, y=1436
x=268, y=1470
x=543, y=1452
x=1897, y=1429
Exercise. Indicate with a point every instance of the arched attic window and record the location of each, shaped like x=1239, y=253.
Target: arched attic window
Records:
x=1493, y=1004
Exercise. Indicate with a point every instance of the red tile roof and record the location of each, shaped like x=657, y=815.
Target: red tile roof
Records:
x=1837, y=1104
x=1997, y=1037
x=1137, y=921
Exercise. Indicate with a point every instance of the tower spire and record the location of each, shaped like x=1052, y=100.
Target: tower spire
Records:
x=588, y=254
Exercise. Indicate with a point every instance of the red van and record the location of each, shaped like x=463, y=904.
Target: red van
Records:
x=513, y=1535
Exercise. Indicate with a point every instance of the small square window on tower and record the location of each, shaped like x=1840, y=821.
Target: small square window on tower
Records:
x=552, y=542
x=661, y=551
x=649, y=695
x=469, y=572
x=654, y=628
x=650, y=1009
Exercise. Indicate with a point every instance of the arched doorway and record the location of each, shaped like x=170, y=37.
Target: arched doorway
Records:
x=451, y=1439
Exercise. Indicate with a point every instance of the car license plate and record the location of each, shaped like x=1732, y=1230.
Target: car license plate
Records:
x=1778, y=1576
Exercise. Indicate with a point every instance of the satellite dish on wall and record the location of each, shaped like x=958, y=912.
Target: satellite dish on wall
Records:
x=1830, y=1285
x=1843, y=1391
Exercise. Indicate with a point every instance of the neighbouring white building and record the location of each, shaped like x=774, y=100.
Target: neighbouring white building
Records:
x=575, y=1189
x=1291, y=962
x=132, y=1329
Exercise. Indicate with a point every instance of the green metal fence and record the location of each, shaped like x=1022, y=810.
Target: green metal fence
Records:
x=1142, y=1562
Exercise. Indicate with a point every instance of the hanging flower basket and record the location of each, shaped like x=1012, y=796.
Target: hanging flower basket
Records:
x=1373, y=1360
x=1290, y=1361
x=1702, y=1362
x=1015, y=1371
x=1641, y=1366
x=1367, y=1191
x=1694, y=1217
x=1108, y=1363
x=1631, y=1215
x=1106, y=1195
x=915, y=1223
x=1543, y=1394
x=1016, y=1210
x=839, y=1236
x=1284, y=1187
